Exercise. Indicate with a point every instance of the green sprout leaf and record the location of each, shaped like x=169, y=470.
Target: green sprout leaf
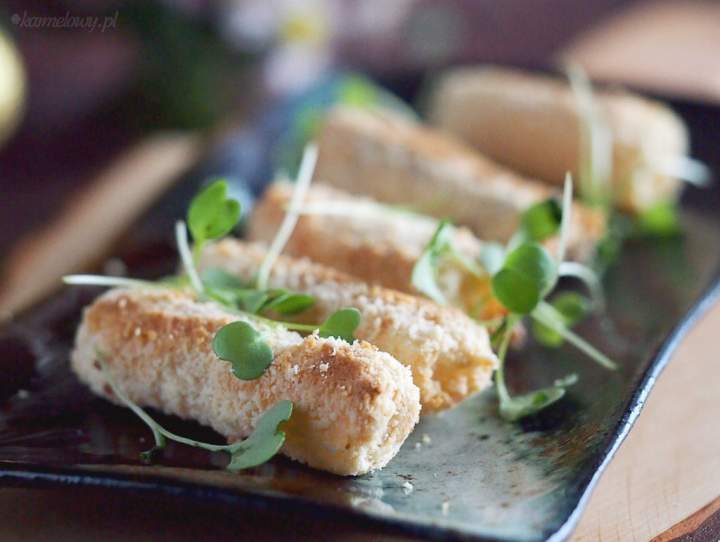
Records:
x=220, y=279
x=528, y=274
x=288, y=303
x=241, y=345
x=521, y=406
x=251, y=300
x=341, y=324
x=549, y=316
x=212, y=214
x=573, y=307
x=542, y=220
x=222, y=287
x=228, y=290
x=513, y=408
x=264, y=442
x=660, y=220
x=517, y=292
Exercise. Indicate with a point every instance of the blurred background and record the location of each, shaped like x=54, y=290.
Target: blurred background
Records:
x=115, y=98
x=81, y=81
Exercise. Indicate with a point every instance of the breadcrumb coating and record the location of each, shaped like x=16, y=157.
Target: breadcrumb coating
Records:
x=354, y=405
x=374, y=243
x=394, y=160
x=530, y=122
x=448, y=352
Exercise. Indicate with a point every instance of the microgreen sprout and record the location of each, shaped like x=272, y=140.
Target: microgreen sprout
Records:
x=491, y=257
x=103, y=280
x=341, y=324
x=425, y=273
x=542, y=220
x=522, y=275
x=228, y=290
x=263, y=443
x=527, y=275
x=596, y=148
x=573, y=307
x=211, y=215
x=441, y=248
x=241, y=345
x=660, y=220
x=685, y=168
x=566, y=220
x=589, y=278
x=514, y=408
x=548, y=315
x=302, y=183
x=186, y=256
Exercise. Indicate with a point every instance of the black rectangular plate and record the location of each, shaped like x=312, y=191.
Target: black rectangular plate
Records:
x=500, y=481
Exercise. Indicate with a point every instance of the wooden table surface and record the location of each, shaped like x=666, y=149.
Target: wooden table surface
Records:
x=667, y=470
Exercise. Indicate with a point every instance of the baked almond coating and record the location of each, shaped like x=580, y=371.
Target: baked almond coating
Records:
x=448, y=353
x=397, y=161
x=531, y=124
x=354, y=405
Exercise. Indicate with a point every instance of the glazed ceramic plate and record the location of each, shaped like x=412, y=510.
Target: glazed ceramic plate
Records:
x=463, y=474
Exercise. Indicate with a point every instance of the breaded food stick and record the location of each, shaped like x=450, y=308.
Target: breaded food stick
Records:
x=373, y=242
x=394, y=160
x=531, y=123
x=448, y=353
x=353, y=405
x=352, y=233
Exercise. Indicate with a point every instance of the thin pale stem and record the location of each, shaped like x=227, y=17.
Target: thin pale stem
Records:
x=186, y=256
x=305, y=175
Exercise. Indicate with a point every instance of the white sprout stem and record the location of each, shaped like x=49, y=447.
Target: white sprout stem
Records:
x=596, y=160
x=304, y=178
x=159, y=432
x=103, y=280
x=685, y=168
x=566, y=220
x=500, y=385
x=186, y=257
x=588, y=277
x=548, y=316
x=139, y=412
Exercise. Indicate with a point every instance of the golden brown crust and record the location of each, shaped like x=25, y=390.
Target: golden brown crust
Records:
x=530, y=123
x=449, y=353
x=365, y=239
x=395, y=161
x=353, y=405
x=370, y=241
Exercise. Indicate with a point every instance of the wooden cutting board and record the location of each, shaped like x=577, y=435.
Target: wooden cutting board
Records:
x=669, y=466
